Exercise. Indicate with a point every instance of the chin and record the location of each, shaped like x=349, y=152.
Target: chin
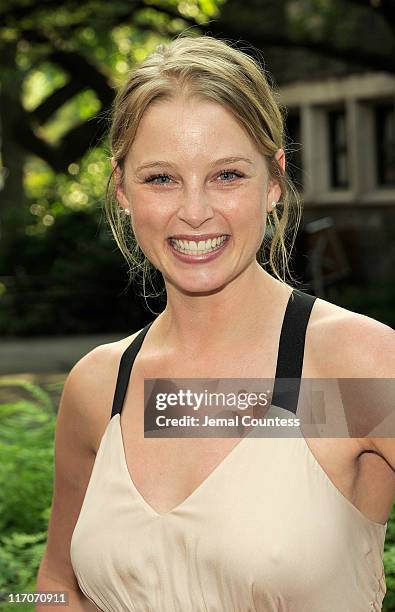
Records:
x=195, y=287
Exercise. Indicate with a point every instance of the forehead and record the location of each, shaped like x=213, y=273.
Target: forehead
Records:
x=190, y=127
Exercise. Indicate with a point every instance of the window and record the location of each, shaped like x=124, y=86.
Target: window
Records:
x=294, y=149
x=385, y=143
x=338, y=154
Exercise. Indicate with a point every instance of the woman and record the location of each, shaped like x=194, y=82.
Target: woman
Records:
x=199, y=524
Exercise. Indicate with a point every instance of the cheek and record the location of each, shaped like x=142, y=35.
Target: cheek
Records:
x=149, y=222
x=248, y=211
x=249, y=221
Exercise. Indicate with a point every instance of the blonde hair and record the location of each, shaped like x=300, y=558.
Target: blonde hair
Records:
x=210, y=69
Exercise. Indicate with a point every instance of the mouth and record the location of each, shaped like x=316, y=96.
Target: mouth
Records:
x=200, y=248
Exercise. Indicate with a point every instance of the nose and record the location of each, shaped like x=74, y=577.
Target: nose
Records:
x=195, y=208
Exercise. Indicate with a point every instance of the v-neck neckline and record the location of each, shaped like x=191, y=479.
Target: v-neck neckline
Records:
x=212, y=475
x=205, y=484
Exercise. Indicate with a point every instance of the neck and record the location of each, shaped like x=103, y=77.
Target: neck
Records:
x=198, y=324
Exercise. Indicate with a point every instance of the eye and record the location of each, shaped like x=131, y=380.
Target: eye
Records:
x=158, y=179
x=234, y=172
x=154, y=177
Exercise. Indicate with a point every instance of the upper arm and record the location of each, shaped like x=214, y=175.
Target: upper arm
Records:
x=361, y=349
x=383, y=439
x=83, y=413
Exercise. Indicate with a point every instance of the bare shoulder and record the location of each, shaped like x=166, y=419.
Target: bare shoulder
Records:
x=348, y=344
x=90, y=385
x=83, y=414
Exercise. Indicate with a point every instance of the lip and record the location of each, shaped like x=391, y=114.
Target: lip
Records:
x=196, y=259
x=196, y=238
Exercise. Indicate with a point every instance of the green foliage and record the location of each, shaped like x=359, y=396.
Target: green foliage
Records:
x=41, y=82
x=20, y=558
x=27, y=429
x=52, y=195
x=80, y=108
x=69, y=280
x=26, y=458
x=389, y=564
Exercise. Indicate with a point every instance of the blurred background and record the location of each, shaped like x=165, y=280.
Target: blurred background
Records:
x=63, y=283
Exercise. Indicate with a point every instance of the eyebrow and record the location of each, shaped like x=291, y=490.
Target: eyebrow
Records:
x=222, y=160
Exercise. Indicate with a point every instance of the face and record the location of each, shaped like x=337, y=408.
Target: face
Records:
x=198, y=192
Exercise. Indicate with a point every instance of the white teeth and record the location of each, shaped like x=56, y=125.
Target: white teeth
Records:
x=197, y=248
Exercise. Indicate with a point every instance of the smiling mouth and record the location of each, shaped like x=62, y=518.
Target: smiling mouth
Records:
x=201, y=247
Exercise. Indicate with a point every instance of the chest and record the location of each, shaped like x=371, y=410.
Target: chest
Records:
x=254, y=535
x=167, y=471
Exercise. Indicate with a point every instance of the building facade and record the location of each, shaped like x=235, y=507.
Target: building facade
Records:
x=341, y=156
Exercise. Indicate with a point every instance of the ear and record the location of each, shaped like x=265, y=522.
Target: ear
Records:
x=119, y=190
x=274, y=192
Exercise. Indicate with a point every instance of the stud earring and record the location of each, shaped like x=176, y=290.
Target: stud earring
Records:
x=274, y=204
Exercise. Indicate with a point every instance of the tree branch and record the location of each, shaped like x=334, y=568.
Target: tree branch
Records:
x=85, y=72
x=56, y=100
x=72, y=147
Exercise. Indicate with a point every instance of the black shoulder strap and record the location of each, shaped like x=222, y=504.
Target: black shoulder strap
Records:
x=289, y=360
x=125, y=368
x=291, y=350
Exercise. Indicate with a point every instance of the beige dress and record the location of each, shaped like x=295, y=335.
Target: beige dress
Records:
x=267, y=530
